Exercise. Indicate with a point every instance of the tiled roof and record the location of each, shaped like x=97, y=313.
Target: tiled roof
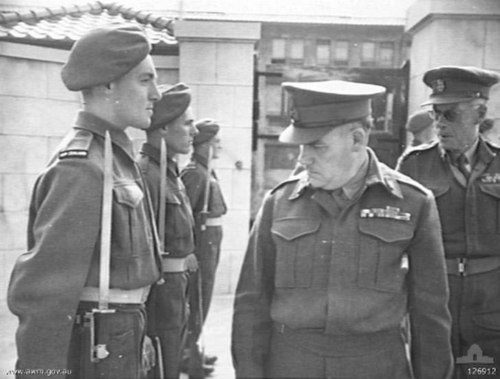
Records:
x=64, y=25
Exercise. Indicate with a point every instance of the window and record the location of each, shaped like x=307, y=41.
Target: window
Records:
x=368, y=54
x=278, y=51
x=296, y=49
x=273, y=96
x=341, y=53
x=323, y=51
x=386, y=54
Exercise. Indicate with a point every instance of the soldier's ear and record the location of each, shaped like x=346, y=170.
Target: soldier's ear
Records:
x=359, y=137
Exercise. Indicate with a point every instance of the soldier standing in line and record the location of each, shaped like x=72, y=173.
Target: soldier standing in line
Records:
x=208, y=204
x=172, y=122
x=463, y=172
x=78, y=316
x=339, y=255
x=421, y=126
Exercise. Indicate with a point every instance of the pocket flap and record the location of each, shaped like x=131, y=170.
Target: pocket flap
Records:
x=386, y=230
x=291, y=228
x=490, y=189
x=128, y=193
x=490, y=320
x=172, y=197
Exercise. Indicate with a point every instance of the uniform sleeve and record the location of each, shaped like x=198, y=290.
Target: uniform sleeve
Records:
x=430, y=319
x=251, y=331
x=47, y=280
x=195, y=183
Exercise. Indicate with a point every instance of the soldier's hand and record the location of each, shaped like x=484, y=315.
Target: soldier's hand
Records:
x=191, y=263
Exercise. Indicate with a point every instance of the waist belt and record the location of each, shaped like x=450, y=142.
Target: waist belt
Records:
x=471, y=266
x=214, y=221
x=173, y=264
x=318, y=342
x=117, y=295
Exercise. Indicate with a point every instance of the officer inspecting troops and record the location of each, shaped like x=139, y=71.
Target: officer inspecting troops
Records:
x=339, y=255
x=207, y=201
x=171, y=132
x=79, y=290
x=463, y=172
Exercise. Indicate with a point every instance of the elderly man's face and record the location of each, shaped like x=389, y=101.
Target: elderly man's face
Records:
x=330, y=161
x=457, y=125
x=133, y=95
x=179, y=133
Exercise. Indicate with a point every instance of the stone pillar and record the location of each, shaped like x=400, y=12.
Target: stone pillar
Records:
x=453, y=32
x=217, y=62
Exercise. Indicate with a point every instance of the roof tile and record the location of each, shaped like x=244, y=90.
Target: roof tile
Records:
x=70, y=23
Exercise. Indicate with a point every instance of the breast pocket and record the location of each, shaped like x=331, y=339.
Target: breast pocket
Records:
x=383, y=263
x=130, y=236
x=295, y=240
x=489, y=207
x=179, y=220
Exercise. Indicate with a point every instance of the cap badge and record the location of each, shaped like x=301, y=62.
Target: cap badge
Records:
x=439, y=86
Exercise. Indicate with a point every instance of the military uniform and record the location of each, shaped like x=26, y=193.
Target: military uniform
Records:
x=337, y=263
x=208, y=241
x=61, y=266
x=470, y=214
x=463, y=172
x=337, y=278
x=168, y=304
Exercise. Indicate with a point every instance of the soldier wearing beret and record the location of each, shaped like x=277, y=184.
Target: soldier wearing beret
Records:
x=489, y=129
x=172, y=122
x=463, y=172
x=208, y=204
x=340, y=255
x=421, y=125
x=79, y=317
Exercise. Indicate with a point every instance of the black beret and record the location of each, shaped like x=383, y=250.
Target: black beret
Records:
x=454, y=84
x=207, y=129
x=419, y=121
x=173, y=103
x=104, y=55
x=318, y=107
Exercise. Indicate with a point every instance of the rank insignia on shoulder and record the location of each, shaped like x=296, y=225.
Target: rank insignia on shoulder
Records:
x=73, y=154
x=389, y=212
x=490, y=178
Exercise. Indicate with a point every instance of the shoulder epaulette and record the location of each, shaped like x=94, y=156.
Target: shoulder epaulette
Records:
x=420, y=148
x=78, y=146
x=401, y=178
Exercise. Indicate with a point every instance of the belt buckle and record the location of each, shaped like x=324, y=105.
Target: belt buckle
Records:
x=461, y=262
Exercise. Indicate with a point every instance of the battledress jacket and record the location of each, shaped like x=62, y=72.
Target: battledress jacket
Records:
x=308, y=265
x=64, y=239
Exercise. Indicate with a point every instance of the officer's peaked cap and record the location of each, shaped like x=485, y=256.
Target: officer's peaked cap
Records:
x=455, y=84
x=318, y=107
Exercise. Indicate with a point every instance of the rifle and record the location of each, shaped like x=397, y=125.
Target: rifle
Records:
x=196, y=355
x=160, y=370
x=204, y=211
x=98, y=334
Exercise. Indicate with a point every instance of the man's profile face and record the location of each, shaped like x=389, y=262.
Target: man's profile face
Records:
x=179, y=133
x=134, y=94
x=329, y=160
